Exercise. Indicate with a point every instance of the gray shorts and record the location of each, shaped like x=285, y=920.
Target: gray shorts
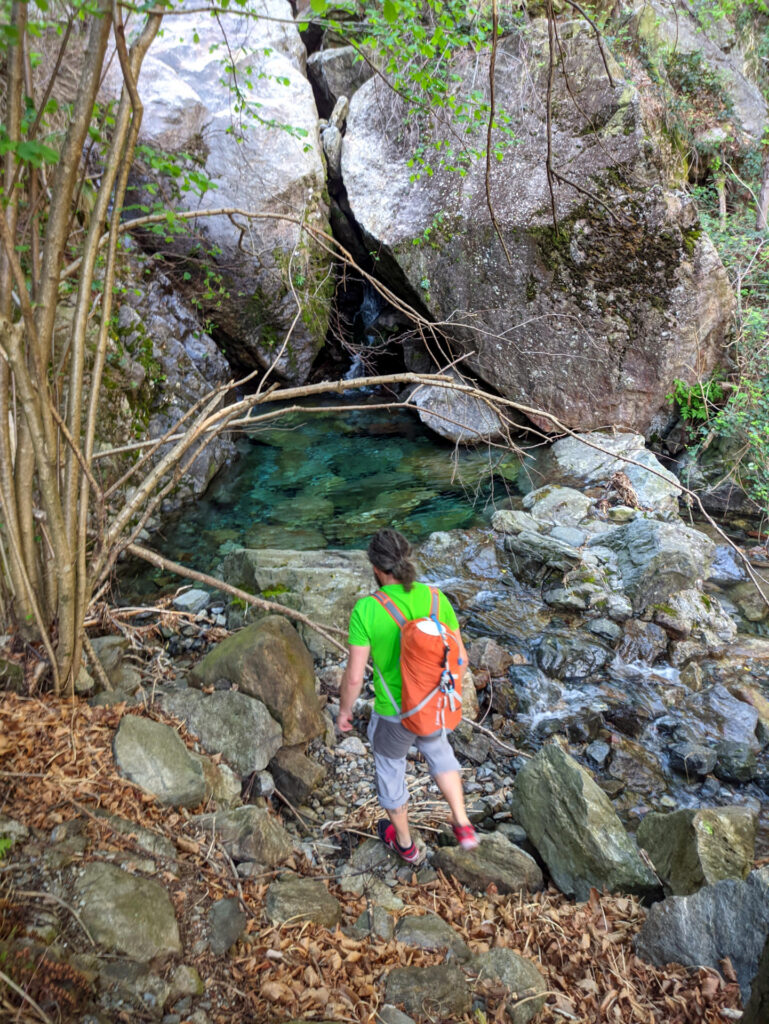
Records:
x=390, y=742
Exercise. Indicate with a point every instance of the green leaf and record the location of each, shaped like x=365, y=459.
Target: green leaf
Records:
x=390, y=11
x=319, y=6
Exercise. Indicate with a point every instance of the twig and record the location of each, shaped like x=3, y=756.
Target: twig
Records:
x=20, y=991
x=55, y=899
x=294, y=811
x=96, y=665
x=499, y=742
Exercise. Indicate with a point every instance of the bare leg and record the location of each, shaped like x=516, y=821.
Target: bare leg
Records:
x=399, y=816
x=450, y=784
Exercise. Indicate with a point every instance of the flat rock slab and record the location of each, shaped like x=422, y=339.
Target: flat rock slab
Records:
x=229, y=723
x=730, y=918
x=439, y=993
x=249, y=834
x=496, y=861
x=520, y=977
x=428, y=931
x=153, y=756
x=572, y=824
x=292, y=899
x=127, y=914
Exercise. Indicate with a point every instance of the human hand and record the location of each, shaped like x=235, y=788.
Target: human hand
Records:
x=344, y=721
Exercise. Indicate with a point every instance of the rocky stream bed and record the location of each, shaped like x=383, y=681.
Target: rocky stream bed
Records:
x=194, y=844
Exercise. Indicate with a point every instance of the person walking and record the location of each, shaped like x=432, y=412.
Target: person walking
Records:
x=375, y=630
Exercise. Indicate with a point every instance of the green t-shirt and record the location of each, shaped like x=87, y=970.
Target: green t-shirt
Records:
x=371, y=625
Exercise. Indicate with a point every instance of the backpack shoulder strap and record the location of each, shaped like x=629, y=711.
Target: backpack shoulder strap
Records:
x=391, y=608
x=435, y=598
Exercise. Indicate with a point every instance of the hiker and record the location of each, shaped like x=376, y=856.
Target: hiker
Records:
x=375, y=628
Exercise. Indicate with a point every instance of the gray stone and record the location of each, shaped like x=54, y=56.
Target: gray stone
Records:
x=573, y=462
x=151, y=842
x=495, y=861
x=485, y=653
x=248, y=834
x=439, y=992
x=185, y=981
x=519, y=976
x=726, y=567
x=337, y=72
x=109, y=650
x=292, y=899
x=757, y=1009
x=714, y=715
x=458, y=417
x=192, y=600
x=229, y=723
x=514, y=521
x=573, y=826
x=692, y=759
x=11, y=675
x=153, y=756
x=392, y=1015
x=735, y=762
x=642, y=642
x=658, y=559
x=534, y=549
x=376, y=922
x=127, y=914
x=222, y=784
x=428, y=931
x=13, y=830
x=352, y=745
x=559, y=505
x=323, y=585
x=226, y=923
x=571, y=656
x=295, y=775
x=531, y=327
x=729, y=918
x=268, y=661
x=598, y=752
x=691, y=848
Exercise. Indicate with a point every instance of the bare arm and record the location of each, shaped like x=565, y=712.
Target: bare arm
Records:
x=352, y=682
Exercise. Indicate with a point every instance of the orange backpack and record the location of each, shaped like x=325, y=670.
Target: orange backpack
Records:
x=431, y=670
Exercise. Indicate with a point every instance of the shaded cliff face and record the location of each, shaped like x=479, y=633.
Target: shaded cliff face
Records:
x=591, y=322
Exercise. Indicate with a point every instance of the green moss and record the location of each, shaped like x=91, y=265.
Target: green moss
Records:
x=690, y=239
x=531, y=289
x=276, y=591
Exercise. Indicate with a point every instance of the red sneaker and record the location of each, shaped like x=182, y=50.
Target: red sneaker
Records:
x=466, y=836
x=386, y=832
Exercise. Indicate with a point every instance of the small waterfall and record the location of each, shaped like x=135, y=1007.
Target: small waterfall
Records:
x=367, y=315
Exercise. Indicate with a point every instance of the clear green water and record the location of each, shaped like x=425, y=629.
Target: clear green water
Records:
x=332, y=480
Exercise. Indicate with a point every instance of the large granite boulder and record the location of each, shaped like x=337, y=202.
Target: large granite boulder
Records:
x=340, y=71
x=126, y=914
x=228, y=97
x=691, y=848
x=153, y=756
x=727, y=919
x=574, y=828
x=267, y=660
x=323, y=585
x=229, y=723
x=591, y=321
x=658, y=559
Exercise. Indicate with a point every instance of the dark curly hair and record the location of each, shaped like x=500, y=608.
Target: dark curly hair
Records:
x=390, y=552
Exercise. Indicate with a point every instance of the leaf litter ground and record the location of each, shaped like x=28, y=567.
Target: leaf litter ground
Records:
x=56, y=765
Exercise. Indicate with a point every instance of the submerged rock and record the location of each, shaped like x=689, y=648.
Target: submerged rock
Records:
x=575, y=829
